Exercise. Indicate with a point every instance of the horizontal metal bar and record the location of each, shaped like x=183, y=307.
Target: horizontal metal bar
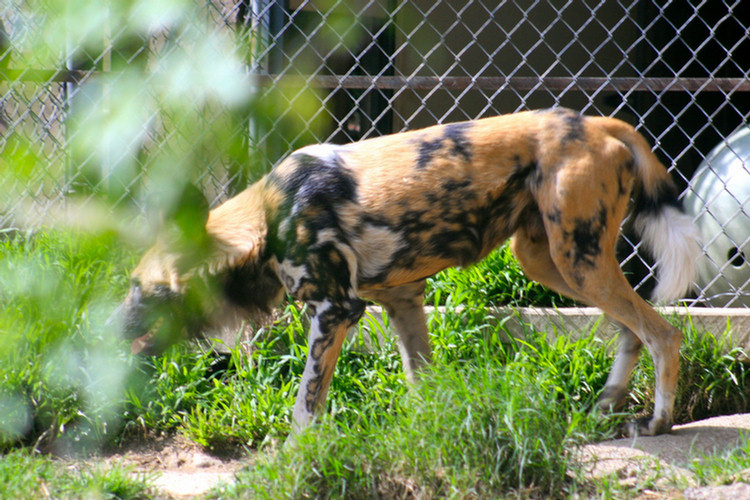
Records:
x=557, y=83
x=622, y=84
x=45, y=75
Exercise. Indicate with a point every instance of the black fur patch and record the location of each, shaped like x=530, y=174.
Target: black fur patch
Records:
x=454, y=185
x=586, y=237
x=427, y=150
x=461, y=244
x=454, y=136
x=318, y=182
x=554, y=216
x=348, y=314
x=328, y=273
x=460, y=145
x=514, y=199
x=625, y=172
x=413, y=222
x=252, y=288
x=666, y=195
x=571, y=121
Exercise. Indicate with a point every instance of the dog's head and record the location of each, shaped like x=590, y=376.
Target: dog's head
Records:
x=154, y=309
x=206, y=271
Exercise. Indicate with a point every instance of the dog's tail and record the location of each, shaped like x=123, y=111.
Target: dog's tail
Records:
x=666, y=231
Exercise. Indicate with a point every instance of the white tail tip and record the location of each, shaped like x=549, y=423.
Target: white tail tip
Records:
x=674, y=241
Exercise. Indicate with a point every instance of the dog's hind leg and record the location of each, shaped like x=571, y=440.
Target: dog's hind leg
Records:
x=583, y=252
x=531, y=248
x=615, y=391
x=405, y=307
x=610, y=291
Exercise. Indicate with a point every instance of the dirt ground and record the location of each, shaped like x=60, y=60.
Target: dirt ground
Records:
x=181, y=469
x=184, y=470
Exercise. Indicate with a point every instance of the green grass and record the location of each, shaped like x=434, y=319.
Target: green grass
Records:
x=245, y=400
x=497, y=280
x=493, y=417
x=723, y=466
x=25, y=475
x=484, y=427
x=59, y=364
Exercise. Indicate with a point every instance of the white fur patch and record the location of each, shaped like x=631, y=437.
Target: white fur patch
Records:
x=326, y=152
x=290, y=275
x=375, y=249
x=674, y=240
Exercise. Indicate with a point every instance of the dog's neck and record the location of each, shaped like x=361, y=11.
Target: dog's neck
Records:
x=238, y=232
x=238, y=229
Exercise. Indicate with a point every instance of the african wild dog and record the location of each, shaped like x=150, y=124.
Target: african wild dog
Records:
x=335, y=226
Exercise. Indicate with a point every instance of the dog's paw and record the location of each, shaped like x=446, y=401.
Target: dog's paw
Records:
x=612, y=399
x=648, y=426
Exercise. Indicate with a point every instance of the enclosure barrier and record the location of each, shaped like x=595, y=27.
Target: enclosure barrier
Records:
x=342, y=71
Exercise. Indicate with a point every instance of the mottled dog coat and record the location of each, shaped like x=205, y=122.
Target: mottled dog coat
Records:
x=336, y=226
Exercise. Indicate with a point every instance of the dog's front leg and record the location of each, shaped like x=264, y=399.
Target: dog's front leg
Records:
x=405, y=307
x=330, y=324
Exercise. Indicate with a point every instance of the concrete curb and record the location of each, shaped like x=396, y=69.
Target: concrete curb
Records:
x=581, y=320
x=570, y=321
x=575, y=322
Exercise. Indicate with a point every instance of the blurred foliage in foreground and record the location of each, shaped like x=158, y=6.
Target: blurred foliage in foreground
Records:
x=146, y=98
x=115, y=106
x=62, y=370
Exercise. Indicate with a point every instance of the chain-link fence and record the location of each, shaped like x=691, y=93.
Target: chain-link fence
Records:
x=341, y=71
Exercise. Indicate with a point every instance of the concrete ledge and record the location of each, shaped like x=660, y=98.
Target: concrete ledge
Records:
x=581, y=320
x=573, y=322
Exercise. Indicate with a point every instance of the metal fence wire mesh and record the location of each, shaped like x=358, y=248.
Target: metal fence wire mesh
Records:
x=340, y=71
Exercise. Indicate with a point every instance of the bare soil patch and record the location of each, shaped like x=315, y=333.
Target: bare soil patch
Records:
x=181, y=469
